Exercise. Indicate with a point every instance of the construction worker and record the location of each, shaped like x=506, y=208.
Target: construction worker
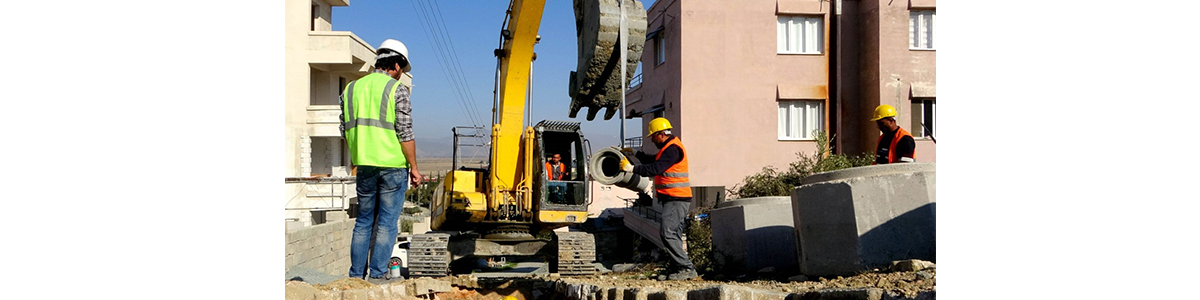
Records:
x=554, y=169
x=895, y=144
x=673, y=191
x=377, y=126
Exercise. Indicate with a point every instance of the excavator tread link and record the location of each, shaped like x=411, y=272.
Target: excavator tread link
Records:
x=576, y=254
x=429, y=255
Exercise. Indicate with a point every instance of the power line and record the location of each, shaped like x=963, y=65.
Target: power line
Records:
x=426, y=24
x=454, y=51
x=450, y=53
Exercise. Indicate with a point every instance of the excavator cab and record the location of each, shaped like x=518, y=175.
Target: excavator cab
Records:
x=570, y=192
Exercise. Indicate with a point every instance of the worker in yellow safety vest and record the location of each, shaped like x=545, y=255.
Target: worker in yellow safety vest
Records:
x=377, y=125
x=672, y=189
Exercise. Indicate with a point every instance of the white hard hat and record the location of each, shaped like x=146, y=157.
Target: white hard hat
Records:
x=397, y=46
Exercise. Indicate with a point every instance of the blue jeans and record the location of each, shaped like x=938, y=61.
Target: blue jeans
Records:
x=380, y=201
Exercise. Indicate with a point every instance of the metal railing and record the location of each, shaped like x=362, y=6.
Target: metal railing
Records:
x=646, y=211
x=636, y=82
x=633, y=142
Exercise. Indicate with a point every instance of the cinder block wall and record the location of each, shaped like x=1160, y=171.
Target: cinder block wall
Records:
x=324, y=247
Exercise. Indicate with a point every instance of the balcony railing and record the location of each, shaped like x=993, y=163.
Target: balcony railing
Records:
x=633, y=142
x=636, y=82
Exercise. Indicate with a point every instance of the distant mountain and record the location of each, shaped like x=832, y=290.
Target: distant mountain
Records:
x=435, y=147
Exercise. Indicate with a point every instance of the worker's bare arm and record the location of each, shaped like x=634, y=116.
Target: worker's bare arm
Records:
x=410, y=154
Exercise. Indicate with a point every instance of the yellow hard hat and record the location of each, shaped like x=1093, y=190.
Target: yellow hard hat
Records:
x=658, y=124
x=884, y=111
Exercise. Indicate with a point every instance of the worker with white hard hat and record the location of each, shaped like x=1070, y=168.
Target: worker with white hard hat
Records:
x=895, y=144
x=377, y=125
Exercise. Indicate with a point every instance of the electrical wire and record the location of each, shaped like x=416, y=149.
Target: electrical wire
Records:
x=440, y=56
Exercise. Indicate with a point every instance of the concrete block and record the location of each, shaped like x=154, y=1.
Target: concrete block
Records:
x=844, y=294
x=721, y=292
x=667, y=295
x=297, y=290
x=355, y=294
x=422, y=286
x=638, y=293
x=755, y=233
x=329, y=295
x=377, y=292
x=769, y=295
x=614, y=293
x=396, y=290
x=866, y=217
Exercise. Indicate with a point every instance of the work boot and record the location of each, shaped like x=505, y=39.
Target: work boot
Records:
x=380, y=280
x=684, y=274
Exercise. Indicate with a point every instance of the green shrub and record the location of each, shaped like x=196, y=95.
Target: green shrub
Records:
x=771, y=182
x=422, y=193
x=406, y=225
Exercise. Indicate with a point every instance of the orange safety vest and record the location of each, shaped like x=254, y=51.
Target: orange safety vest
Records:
x=562, y=168
x=900, y=132
x=674, y=181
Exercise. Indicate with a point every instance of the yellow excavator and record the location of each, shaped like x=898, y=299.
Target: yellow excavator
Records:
x=510, y=207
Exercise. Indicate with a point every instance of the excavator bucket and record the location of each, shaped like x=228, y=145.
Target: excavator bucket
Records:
x=596, y=83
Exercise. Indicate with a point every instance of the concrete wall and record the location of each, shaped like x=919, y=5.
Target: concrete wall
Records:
x=751, y=234
x=862, y=218
x=324, y=247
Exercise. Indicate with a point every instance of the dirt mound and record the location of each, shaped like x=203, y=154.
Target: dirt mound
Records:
x=344, y=284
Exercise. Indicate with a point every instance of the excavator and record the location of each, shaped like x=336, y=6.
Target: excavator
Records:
x=509, y=207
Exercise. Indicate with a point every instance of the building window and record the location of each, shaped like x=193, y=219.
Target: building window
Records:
x=800, y=118
x=920, y=29
x=660, y=49
x=801, y=34
x=924, y=111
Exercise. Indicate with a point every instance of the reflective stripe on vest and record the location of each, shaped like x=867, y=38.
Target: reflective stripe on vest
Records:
x=550, y=171
x=674, y=181
x=900, y=132
x=369, y=120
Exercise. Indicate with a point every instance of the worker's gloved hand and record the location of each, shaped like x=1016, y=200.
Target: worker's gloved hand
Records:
x=626, y=166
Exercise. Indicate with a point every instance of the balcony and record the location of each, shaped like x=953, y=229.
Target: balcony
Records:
x=339, y=52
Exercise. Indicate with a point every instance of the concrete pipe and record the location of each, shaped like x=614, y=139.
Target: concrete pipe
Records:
x=605, y=168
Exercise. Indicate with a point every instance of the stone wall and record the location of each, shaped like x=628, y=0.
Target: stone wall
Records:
x=324, y=247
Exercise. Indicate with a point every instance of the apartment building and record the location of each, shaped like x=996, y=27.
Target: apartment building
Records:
x=888, y=56
x=319, y=62
x=746, y=83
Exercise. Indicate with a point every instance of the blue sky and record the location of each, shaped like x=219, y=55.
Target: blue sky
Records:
x=473, y=28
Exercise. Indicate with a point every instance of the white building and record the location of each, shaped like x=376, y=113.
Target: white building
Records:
x=318, y=63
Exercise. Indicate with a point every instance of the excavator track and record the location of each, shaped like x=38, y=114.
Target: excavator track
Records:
x=429, y=255
x=576, y=254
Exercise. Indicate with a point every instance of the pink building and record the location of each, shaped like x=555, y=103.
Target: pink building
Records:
x=745, y=83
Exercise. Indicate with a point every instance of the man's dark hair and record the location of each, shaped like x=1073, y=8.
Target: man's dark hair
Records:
x=389, y=63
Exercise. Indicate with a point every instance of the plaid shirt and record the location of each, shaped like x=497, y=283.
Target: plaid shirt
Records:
x=403, y=123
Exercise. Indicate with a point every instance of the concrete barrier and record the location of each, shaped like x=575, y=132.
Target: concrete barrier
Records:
x=752, y=234
x=861, y=218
